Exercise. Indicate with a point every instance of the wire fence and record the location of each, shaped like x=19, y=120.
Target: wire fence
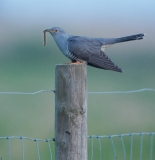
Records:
x=23, y=139
x=126, y=151
x=131, y=147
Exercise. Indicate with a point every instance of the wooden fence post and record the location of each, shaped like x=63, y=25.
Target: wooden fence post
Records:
x=71, y=112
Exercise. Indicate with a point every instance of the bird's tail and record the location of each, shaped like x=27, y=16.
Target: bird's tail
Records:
x=130, y=38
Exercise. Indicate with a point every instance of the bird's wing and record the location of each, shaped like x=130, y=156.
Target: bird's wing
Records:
x=89, y=50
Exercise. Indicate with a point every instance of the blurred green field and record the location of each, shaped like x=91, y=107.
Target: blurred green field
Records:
x=27, y=66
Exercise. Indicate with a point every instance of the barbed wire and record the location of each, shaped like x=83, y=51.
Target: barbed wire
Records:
x=111, y=92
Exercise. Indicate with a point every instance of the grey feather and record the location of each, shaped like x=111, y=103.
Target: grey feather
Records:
x=89, y=50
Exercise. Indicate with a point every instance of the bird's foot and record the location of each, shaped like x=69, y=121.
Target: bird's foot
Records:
x=74, y=62
x=78, y=62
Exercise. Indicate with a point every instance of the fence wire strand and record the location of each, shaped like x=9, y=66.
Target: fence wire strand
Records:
x=100, y=147
x=111, y=92
x=92, y=147
x=131, y=145
x=115, y=156
x=151, y=146
x=124, y=151
x=28, y=93
x=9, y=148
x=49, y=147
x=22, y=141
x=37, y=147
x=141, y=146
x=124, y=92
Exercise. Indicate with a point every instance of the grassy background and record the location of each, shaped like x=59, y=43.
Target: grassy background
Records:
x=27, y=66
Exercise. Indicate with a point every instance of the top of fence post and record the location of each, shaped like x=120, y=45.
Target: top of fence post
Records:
x=71, y=112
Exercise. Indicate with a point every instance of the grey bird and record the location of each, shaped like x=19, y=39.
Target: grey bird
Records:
x=87, y=49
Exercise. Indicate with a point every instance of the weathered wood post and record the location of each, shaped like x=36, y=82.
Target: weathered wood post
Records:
x=71, y=112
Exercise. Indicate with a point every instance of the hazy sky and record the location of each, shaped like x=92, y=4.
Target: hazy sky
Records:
x=72, y=13
x=96, y=18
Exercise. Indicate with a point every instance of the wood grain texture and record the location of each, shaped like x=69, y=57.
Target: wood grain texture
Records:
x=71, y=112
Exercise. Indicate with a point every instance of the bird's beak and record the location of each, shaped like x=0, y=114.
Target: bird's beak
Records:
x=48, y=30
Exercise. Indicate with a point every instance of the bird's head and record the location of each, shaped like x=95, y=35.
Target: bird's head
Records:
x=55, y=31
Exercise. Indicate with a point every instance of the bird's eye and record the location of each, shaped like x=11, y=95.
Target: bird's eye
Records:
x=56, y=30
